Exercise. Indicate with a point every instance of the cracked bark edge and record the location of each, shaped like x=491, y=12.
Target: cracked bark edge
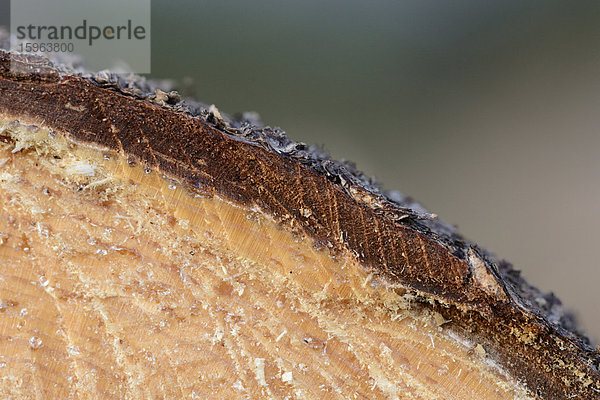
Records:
x=237, y=159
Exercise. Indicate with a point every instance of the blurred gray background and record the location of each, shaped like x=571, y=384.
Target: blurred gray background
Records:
x=488, y=113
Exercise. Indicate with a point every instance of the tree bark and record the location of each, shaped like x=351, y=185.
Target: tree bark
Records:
x=152, y=248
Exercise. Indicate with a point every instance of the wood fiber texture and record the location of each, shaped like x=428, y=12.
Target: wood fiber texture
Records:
x=330, y=202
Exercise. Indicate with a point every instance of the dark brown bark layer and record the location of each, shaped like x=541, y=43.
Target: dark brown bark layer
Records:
x=327, y=200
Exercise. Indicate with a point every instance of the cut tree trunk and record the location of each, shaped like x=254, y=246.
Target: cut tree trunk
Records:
x=150, y=248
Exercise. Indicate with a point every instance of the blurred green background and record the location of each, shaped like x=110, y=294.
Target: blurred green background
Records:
x=488, y=113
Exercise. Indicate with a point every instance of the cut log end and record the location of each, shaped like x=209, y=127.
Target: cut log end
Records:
x=118, y=281
x=150, y=251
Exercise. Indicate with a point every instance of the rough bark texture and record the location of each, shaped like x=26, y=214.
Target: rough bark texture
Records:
x=330, y=202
